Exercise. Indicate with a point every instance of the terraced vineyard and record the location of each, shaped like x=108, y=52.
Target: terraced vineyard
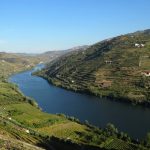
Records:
x=104, y=67
x=12, y=63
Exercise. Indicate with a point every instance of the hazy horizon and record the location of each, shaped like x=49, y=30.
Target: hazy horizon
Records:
x=35, y=26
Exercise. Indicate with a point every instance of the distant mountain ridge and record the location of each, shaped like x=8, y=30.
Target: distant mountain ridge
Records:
x=52, y=55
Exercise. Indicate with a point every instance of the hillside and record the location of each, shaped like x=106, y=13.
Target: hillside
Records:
x=118, y=68
x=11, y=63
x=23, y=126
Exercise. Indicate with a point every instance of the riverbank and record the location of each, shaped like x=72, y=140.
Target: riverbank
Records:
x=40, y=124
x=23, y=120
x=66, y=128
x=115, y=69
x=112, y=97
x=102, y=111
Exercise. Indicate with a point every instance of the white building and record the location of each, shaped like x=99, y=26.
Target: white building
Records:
x=142, y=45
x=137, y=45
x=146, y=73
x=27, y=131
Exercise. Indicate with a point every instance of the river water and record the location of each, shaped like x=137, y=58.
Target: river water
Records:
x=134, y=120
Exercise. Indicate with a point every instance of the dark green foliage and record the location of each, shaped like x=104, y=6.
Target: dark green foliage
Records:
x=33, y=102
x=111, y=129
x=144, y=82
x=148, y=140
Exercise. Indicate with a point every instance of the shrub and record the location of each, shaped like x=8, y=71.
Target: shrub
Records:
x=32, y=102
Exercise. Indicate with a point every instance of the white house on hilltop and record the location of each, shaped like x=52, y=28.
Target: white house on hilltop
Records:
x=139, y=45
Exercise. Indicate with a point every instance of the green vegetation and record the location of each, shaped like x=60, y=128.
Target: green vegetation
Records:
x=24, y=126
x=117, y=68
x=12, y=63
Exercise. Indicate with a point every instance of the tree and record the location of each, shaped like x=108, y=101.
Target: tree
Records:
x=148, y=139
x=111, y=129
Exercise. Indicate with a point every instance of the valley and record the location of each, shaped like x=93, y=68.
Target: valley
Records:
x=74, y=75
x=24, y=122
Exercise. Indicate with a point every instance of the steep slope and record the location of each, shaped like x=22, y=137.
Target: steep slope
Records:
x=117, y=68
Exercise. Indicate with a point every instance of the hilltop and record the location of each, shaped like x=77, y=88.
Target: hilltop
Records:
x=118, y=68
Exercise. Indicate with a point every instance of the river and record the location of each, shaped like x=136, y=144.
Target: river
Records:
x=134, y=120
